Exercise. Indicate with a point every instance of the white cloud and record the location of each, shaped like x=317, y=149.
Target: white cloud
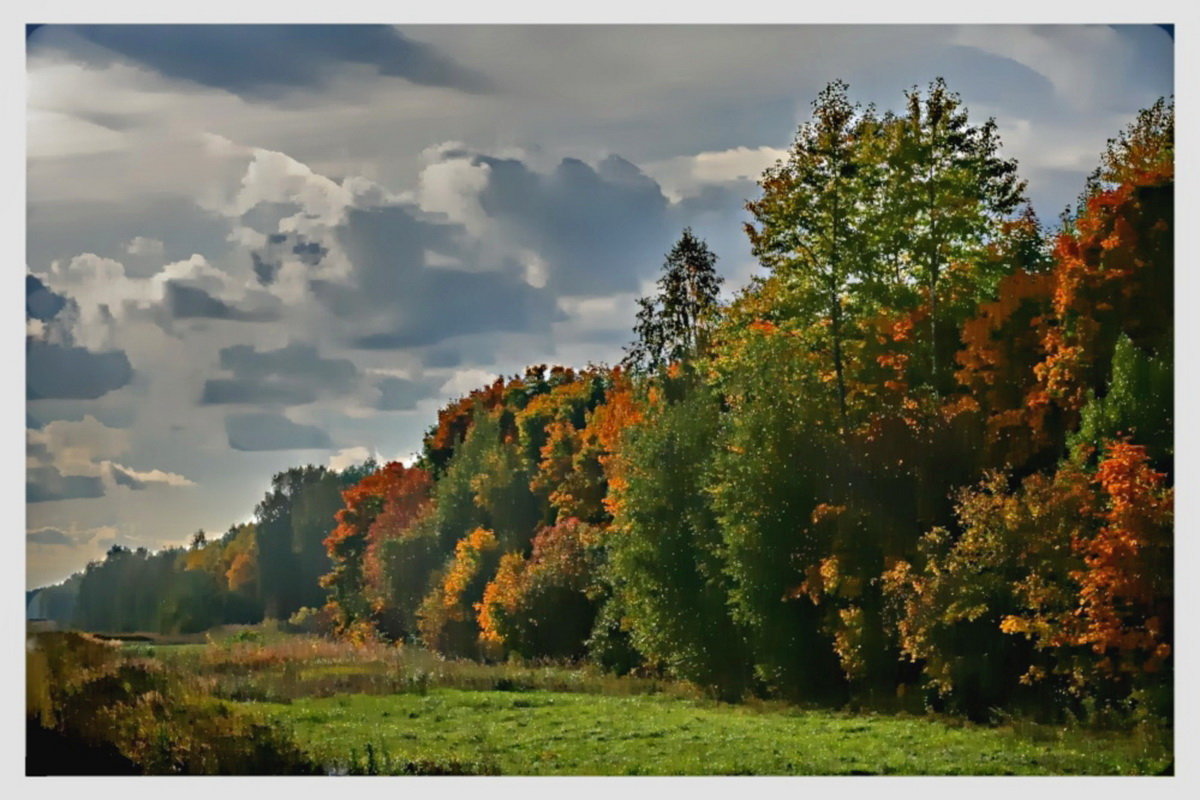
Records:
x=1077, y=60
x=348, y=457
x=465, y=380
x=88, y=448
x=75, y=447
x=613, y=313
x=273, y=177
x=52, y=134
x=452, y=188
x=150, y=476
x=683, y=176
x=142, y=246
x=106, y=296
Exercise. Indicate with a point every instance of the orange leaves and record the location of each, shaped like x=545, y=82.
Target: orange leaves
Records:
x=1121, y=587
x=1073, y=561
x=764, y=327
x=563, y=562
x=1002, y=346
x=378, y=507
x=445, y=618
x=242, y=573
x=367, y=499
x=607, y=421
x=468, y=560
x=824, y=511
x=406, y=498
x=501, y=597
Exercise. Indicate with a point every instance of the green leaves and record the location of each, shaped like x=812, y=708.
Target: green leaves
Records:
x=675, y=325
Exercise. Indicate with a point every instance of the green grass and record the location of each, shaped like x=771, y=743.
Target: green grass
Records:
x=555, y=733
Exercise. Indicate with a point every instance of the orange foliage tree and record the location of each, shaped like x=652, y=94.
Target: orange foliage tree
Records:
x=446, y=618
x=396, y=494
x=545, y=606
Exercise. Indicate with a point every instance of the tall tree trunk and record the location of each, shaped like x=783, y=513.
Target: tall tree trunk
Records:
x=933, y=279
x=835, y=327
x=836, y=330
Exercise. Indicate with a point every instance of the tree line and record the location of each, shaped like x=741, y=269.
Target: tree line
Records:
x=928, y=453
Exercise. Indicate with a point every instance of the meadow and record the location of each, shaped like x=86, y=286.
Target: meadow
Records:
x=257, y=701
x=556, y=733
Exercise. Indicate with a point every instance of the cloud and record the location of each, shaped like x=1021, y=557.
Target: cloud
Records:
x=272, y=431
x=279, y=248
x=593, y=226
x=393, y=299
x=57, y=371
x=401, y=394
x=292, y=375
x=265, y=62
x=54, y=367
x=348, y=457
x=484, y=245
x=114, y=228
x=143, y=246
x=104, y=296
x=277, y=179
x=40, y=302
x=442, y=356
x=48, y=536
x=466, y=380
x=73, y=460
x=684, y=176
x=1075, y=59
x=491, y=240
x=191, y=302
x=46, y=484
x=251, y=391
x=124, y=476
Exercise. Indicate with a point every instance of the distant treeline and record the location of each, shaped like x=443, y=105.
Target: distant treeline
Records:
x=929, y=453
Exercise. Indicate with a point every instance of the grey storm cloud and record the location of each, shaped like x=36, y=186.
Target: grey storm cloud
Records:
x=262, y=62
x=44, y=484
x=596, y=227
x=292, y=375
x=251, y=391
x=191, y=302
x=123, y=477
x=401, y=394
x=418, y=277
x=51, y=536
x=269, y=260
x=419, y=304
x=56, y=371
x=63, y=230
x=441, y=357
x=454, y=302
x=270, y=431
x=40, y=302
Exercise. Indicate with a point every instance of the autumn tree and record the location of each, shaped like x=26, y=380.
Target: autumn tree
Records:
x=395, y=490
x=811, y=225
x=395, y=538
x=959, y=190
x=545, y=606
x=447, y=617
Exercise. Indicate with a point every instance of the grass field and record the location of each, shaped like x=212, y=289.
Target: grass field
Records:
x=556, y=733
x=337, y=708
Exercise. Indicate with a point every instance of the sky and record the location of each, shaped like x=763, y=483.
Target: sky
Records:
x=249, y=248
